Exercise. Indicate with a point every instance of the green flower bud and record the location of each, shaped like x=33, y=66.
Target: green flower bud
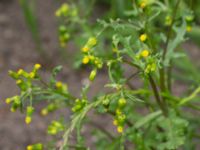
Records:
x=93, y=75
x=122, y=102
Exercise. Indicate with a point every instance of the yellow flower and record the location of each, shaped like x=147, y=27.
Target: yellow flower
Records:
x=28, y=120
x=8, y=100
x=188, y=28
x=120, y=129
x=118, y=112
x=32, y=75
x=29, y=147
x=115, y=122
x=85, y=49
x=144, y=53
x=143, y=37
x=53, y=131
x=18, y=81
x=122, y=102
x=12, y=109
x=85, y=60
x=44, y=112
x=143, y=4
x=59, y=85
x=20, y=72
x=37, y=66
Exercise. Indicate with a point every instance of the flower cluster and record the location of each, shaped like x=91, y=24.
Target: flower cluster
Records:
x=49, y=108
x=79, y=105
x=15, y=101
x=64, y=35
x=61, y=87
x=90, y=58
x=189, y=20
x=68, y=12
x=55, y=127
x=120, y=117
x=24, y=80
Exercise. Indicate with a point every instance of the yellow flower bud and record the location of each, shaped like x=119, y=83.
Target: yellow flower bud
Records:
x=44, y=112
x=144, y=53
x=85, y=49
x=37, y=66
x=59, y=85
x=122, y=102
x=8, y=100
x=143, y=4
x=29, y=147
x=32, y=75
x=12, y=109
x=53, y=131
x=28, y=119
x=18, y=81
x=188, y=28
x=85, y=60
x=115, y=122
x=20, y=72
x=120, y=129
x=143, y=37
x=118, y=112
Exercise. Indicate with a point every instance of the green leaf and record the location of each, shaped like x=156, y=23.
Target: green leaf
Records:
x=180, y=33
x=191, y=97
x=150, y=117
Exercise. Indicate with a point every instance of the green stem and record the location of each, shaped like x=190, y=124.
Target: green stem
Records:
x=157, y=96
x=162, y=70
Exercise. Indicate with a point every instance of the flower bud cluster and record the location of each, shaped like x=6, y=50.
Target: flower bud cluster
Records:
x=189, y=21
x=120, y=117
x=68, y=12
x=79, y=105
x=23, y=78
x=15, y=103
x=55, y=127
x=29, y=114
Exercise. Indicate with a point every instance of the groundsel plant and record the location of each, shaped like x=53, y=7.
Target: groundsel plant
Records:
x=149, y=117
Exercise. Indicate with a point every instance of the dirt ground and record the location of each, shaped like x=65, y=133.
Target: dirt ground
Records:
x=17, y=50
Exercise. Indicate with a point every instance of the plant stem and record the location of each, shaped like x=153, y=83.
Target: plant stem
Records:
x=169, y=76
x=157, y=96
x=162, y=70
